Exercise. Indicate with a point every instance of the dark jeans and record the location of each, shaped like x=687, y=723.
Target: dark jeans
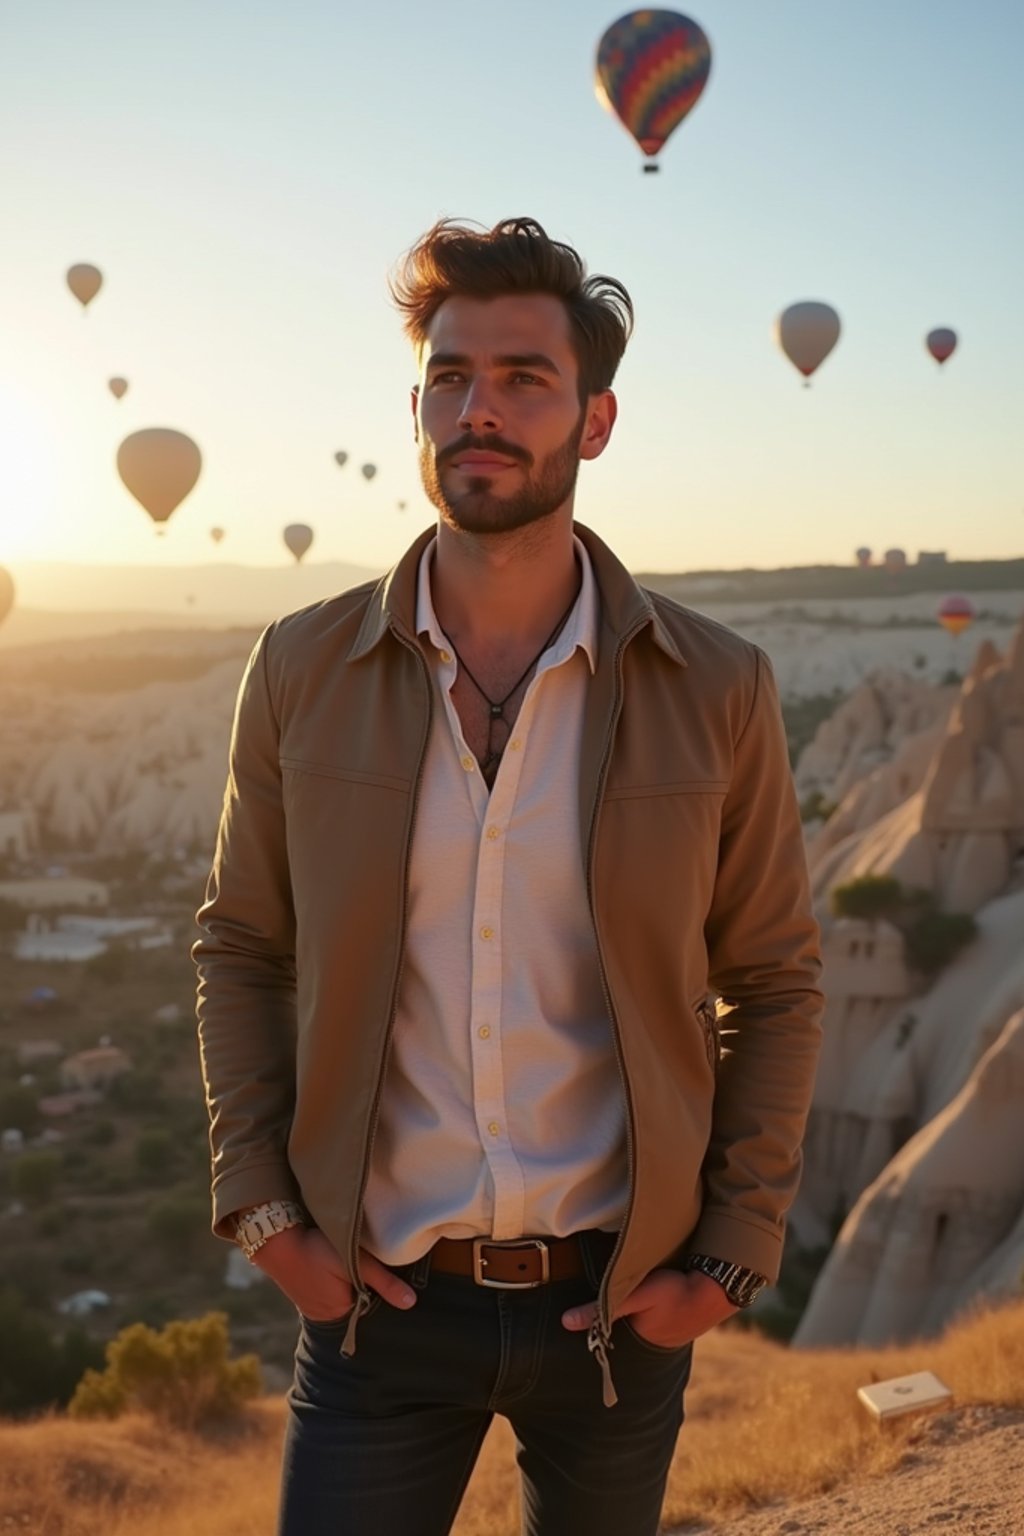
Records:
x=383, y=1443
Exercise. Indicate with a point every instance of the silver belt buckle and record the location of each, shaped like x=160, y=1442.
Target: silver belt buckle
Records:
x=479, y=1262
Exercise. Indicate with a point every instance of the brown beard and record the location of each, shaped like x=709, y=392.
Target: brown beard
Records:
x=477, y=509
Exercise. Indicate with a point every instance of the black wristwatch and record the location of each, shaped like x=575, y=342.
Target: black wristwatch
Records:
x=742, y=1286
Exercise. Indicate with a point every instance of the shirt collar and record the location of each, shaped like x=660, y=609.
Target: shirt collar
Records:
x=580, y=628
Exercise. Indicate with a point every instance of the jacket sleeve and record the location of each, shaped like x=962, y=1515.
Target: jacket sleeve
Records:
x=764, y=963
x=246, y=967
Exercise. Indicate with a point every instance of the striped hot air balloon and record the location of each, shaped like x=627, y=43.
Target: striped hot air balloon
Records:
x=650, y=71
x=955, y=614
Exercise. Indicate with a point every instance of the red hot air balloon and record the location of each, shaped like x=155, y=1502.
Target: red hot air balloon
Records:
x=650, y=70
x=118, y=388
x=955, y=614
x=941, y=343
x=895, y=559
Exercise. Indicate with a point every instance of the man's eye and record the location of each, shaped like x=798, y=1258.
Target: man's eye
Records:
x=445, y=378
x=531, y=378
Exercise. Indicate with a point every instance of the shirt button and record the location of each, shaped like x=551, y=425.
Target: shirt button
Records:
x=487, y=933
x=446, y=655
x=484, y=1031
x=492, y=834
x=494, y=1127
x=469, y=764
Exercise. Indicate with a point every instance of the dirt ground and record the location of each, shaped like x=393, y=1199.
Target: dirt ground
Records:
x=963, y=1473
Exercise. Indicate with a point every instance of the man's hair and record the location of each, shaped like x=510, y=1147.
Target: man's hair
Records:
x=516, y=256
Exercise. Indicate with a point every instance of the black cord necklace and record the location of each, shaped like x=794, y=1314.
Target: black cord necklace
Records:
x=489, y=766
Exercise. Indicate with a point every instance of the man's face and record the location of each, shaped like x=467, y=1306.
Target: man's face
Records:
x=498, y=418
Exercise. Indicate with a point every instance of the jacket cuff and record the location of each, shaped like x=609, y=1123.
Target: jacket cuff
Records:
x=739, y=1241
x=246, y=1187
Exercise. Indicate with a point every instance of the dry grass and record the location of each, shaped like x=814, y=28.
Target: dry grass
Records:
x=764, y=1424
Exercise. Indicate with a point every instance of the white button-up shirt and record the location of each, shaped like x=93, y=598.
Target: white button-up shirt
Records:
x=503, y=1112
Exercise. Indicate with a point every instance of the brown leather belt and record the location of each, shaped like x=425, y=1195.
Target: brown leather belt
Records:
x=526, y=1262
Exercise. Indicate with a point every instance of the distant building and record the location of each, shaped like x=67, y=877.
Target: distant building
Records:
x=58, y=1105
x=83, y=1302
x=56, y=946
x=12, y=1140
x=96, y=1068
x=45, y=893
x=28, y=1051
x=931, y=557
x=18, y=834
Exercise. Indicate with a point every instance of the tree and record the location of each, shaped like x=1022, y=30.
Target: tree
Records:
x=35, y=1176
x=36, y=1370
x=180, y=1376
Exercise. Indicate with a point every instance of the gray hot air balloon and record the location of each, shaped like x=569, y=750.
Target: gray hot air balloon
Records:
x=341, y=457
x=159, y=466
x=298, y=537
x=807, y=332
x=118, y=387
x=85, y=282
x=368, y=471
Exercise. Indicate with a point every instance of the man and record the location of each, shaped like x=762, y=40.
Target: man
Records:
x=496, y=829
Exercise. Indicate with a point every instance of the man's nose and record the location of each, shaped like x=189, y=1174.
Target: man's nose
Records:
x=480, y=411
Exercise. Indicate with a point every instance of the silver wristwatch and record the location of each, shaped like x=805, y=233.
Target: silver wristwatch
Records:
x=254, y=1226
x=742, y=1286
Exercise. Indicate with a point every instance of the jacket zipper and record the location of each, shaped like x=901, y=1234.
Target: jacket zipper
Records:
x=599, y=1336
x=364, y=1300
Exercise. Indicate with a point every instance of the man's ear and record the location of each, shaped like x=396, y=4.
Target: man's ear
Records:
x=414, y=400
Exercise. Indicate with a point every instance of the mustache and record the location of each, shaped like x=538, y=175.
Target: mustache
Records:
x=488, y=444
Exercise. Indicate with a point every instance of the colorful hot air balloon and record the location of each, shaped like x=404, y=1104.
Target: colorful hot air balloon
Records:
x=941, y=343
x=955, y=614
x=117, y=387
x=159, y=466
x=216, y=534
x=863, y=556
x=341, y=457
x=650, y=70
x=298, y=537
x=84, y=281
x=895, y=559
x=6, y=593
x=807, y=332
x=368, y=471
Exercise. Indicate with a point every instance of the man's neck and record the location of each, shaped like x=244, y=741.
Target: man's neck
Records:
x=504, y=592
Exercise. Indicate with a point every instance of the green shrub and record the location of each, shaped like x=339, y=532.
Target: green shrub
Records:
x=181, y=1376
x=155, y=1152
x=869, y=896
x=179, y=1224
x=37, y=1370
x=19, y=1110
x=934, y=937
x=101, y=1134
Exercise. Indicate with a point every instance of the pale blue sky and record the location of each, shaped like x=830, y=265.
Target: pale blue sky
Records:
x=245, y=174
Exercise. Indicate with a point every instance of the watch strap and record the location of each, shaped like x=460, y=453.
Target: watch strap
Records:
x=741, y=1285
x=253, y=1227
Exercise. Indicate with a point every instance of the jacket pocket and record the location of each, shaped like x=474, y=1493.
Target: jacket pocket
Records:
x=712, y=1040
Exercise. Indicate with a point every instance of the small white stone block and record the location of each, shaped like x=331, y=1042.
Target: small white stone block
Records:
x=921, y=1393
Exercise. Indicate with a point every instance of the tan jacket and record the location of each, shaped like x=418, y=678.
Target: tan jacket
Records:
x=697, y=882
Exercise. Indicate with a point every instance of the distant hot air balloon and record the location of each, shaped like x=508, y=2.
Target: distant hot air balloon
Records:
x=216, y=534
x=368, y=471
x=863, y=556
x=117, y=387
x=6, y=593
x=341, y=457
x=955, y=614
x=807, y=332
x=400, y=505
x=159, y=466
x=85, y=282
x=941, y=343
x=298, y=537
x=650, y=69
x=895, y=559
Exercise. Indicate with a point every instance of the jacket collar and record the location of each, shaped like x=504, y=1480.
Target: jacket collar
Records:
x=625, y=605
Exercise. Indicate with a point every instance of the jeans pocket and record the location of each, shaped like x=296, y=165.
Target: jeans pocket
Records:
x=665, y=1350
x=329, y=1323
